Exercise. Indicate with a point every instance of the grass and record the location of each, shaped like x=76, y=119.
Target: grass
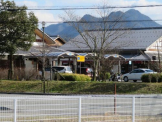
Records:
x=90, y=118
x=65, y=87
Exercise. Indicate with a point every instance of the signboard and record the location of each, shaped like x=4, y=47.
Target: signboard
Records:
x=130, y=62
x=70, y=53
x=80, y=58
x=116, y=55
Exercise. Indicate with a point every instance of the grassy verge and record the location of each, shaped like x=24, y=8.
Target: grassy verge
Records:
x=66, y=87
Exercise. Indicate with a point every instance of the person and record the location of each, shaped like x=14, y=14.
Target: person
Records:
x=114, y=76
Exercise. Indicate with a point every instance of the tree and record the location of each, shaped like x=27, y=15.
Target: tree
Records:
x=98, y=36
x=16, y=30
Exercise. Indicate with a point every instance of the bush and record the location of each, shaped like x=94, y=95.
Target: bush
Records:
x=75, y=77
x=152, y=77
x=105, y=76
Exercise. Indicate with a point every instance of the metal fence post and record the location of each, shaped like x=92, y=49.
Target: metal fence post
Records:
x=80, y=109
x=15, y=109
x=133, y=109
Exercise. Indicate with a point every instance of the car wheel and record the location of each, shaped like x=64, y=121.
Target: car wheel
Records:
x=135, y=80
x=126, y=79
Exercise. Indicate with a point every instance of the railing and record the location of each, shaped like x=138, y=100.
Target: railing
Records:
x=85, y=108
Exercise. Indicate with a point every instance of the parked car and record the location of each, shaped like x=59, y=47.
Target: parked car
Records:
x=62, y=69
x=136, y=74
x=85, y=70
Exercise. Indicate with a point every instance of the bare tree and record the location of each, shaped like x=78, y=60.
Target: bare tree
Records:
x=98, y=36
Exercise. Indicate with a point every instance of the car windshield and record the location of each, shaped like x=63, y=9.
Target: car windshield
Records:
x=149, y=70
x=58, y=68
x=134, y=71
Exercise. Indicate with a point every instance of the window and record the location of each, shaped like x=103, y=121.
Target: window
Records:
x=149, y=70
x=134, y=71
x=141, y=71
x=59, y=68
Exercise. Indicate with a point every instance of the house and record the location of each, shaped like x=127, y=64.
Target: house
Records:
x=28, y=59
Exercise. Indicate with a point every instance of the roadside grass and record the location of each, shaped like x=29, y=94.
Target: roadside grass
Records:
x=98, y=118
x=65, y=87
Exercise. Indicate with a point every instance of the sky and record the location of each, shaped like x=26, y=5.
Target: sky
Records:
x=55, y=16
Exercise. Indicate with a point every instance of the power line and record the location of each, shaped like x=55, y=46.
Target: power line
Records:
x=120, y=21
x=82, y=8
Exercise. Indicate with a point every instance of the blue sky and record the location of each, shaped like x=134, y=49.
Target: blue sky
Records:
x=51, y=16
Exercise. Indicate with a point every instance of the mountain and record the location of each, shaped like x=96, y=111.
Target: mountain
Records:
x=131, y=20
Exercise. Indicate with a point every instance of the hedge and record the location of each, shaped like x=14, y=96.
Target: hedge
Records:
x=75, y=77
x=156, y=77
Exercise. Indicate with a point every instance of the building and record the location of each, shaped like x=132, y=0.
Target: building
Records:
x=138, y=46
x=29, y=60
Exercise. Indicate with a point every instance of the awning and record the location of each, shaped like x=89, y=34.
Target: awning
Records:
x=136, y=57
x=114, y=56
x=52, y=54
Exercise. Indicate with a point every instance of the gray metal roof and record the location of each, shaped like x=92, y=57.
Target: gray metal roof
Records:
x=123, y=39
x=114, y=55
x=136, y=57
x=38, y=50
x=56, y=54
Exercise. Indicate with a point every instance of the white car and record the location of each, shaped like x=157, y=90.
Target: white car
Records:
x=62, y=69
x=136, y=74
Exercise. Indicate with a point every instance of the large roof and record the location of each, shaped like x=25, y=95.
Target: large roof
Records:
x=35, y=50
x=137, y=39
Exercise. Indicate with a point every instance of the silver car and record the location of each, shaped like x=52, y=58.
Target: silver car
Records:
x=136, y=74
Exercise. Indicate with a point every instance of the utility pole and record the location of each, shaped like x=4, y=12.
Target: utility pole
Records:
x=43, y=60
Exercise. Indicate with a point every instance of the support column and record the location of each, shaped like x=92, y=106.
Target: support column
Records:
x=119, y=67
x=68, y=61
x=133, y=109
x=80, y=109
x=58, y=61
x=15, y=110
x=50, y=61
x=75, y=64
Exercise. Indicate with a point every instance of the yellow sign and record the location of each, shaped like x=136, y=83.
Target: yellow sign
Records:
x=80, y=58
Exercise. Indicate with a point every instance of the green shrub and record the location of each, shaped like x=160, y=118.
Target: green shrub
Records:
x=105, y=76
x=75, y=77
x=145, y=78
x=160, y=77
x=152, y=77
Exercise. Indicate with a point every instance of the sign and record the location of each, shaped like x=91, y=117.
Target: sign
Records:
x=116, y=55
x=80, y=58
x=130, y=62
x=70, y=53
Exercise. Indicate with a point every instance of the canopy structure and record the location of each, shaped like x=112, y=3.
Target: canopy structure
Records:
x=67, y=54
x=136, y=57
x=114, y=56
x=54, y=54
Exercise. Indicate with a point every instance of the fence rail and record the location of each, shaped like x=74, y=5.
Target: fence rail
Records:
x=85, y=108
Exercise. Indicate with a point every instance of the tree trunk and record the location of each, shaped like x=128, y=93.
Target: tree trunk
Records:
x=10, y=71
x=95, y=69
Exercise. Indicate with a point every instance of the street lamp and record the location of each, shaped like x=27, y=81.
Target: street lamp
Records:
x=43, y=60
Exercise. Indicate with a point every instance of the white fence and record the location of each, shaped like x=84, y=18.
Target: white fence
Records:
x=91, y=108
